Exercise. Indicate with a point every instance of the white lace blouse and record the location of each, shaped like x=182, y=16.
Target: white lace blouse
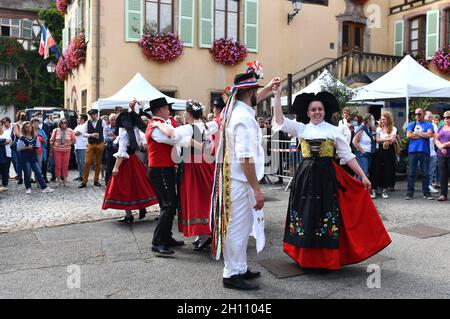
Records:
x=124, y=142
x=323, y=130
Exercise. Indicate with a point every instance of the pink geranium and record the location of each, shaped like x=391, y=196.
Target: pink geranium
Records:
x=61, y=5
x=441, y=60
x=228, y=52
x=162, y=48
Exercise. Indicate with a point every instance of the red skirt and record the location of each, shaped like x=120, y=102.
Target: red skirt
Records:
x=195, y=197
x=362, y=233
x=130, y=189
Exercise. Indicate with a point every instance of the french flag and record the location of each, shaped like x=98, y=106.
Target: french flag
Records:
x=47, y=43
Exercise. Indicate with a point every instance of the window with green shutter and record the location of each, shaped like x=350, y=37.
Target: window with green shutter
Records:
x=226, y=19
x=432, y=42
x=398, y=38
x=87, y=10
x=251, y=25
x=206, y=23
x=186, y=22
x=159, y=16
x=133, y=20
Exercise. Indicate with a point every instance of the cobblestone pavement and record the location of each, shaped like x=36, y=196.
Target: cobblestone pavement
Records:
x=67, y=205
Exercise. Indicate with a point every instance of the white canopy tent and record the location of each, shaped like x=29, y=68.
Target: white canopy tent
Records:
x=140, y=89
x=316, y=86
x=407, y=79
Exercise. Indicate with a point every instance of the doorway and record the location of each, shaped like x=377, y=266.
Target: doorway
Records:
x=353, y=36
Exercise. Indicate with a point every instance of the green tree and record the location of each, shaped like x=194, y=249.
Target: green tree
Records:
x=34, y=86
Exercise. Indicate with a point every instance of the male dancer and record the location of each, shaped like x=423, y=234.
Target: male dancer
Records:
x=238, y=195
x=162, y=174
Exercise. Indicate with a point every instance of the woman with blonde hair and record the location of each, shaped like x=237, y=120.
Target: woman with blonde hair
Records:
x=386, y=156
x=442, y=141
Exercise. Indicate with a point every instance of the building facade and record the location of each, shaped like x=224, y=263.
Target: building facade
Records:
x=19, y=20
x=323, y=30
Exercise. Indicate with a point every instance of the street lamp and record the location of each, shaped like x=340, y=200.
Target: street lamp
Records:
x=51, y=67
x=296, y=6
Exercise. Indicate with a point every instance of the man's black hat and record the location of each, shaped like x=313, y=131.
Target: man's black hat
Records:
x=218, y=102
x=302, y=102
x=93, y=111
x=158, y=103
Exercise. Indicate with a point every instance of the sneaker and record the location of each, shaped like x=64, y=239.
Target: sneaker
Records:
x=428, y=196
x=432, y=189
x=385, y=195
x=409, y=196
x=29, y=191
x=48, y=190
x=373, y=195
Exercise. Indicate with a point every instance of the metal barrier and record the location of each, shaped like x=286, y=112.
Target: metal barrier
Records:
x=282, y=158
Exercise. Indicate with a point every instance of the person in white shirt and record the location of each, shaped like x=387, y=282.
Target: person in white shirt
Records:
x=331, y=220
x=240, y=167
x=433, y=154
x=80, y=145
x=344, y=124
x=93, y=131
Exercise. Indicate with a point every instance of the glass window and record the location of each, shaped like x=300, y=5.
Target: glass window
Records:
x=447, y=23
x=159, y=16
x=27, y=27
x=226, y=19
x=417, y=35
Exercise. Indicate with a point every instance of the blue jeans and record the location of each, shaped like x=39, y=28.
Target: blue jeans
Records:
x=32, y=166
x=364, y=160
x=15, y=157
x=4, y=171
x=81, y=158
x=432, y=171
x=422, y=159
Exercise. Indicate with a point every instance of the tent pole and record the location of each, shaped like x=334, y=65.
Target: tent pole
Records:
x=407, y=109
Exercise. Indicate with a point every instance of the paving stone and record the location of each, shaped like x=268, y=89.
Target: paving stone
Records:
x=421, y=231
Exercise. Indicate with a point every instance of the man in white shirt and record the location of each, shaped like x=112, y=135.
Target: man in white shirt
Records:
x=80, y=146
x=246, y=156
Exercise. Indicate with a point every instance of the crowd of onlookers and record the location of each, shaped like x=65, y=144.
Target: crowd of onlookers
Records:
x=43, y=146
x=377, y=147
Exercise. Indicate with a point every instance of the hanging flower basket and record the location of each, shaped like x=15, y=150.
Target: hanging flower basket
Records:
x=61, y=5
x=228, y=52
x=74, y=56
x=162, y=48
x=441, y=60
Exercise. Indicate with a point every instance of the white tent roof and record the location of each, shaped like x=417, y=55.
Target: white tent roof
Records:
x=140, y=89
x=405, y=80
x=316, y=86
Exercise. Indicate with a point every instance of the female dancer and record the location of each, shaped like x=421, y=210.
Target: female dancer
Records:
x=331, y=219
x=129, y=188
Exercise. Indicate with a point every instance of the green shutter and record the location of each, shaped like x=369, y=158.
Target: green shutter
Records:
x=206, y=23
x=79, y=16
x=251, y=25
x=186, y=22
x=87, y=11
x=133, y=20
x=64, y=39
x=398, y=38
x=432, y=43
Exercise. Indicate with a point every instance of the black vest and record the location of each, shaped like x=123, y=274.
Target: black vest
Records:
x=98, y=129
